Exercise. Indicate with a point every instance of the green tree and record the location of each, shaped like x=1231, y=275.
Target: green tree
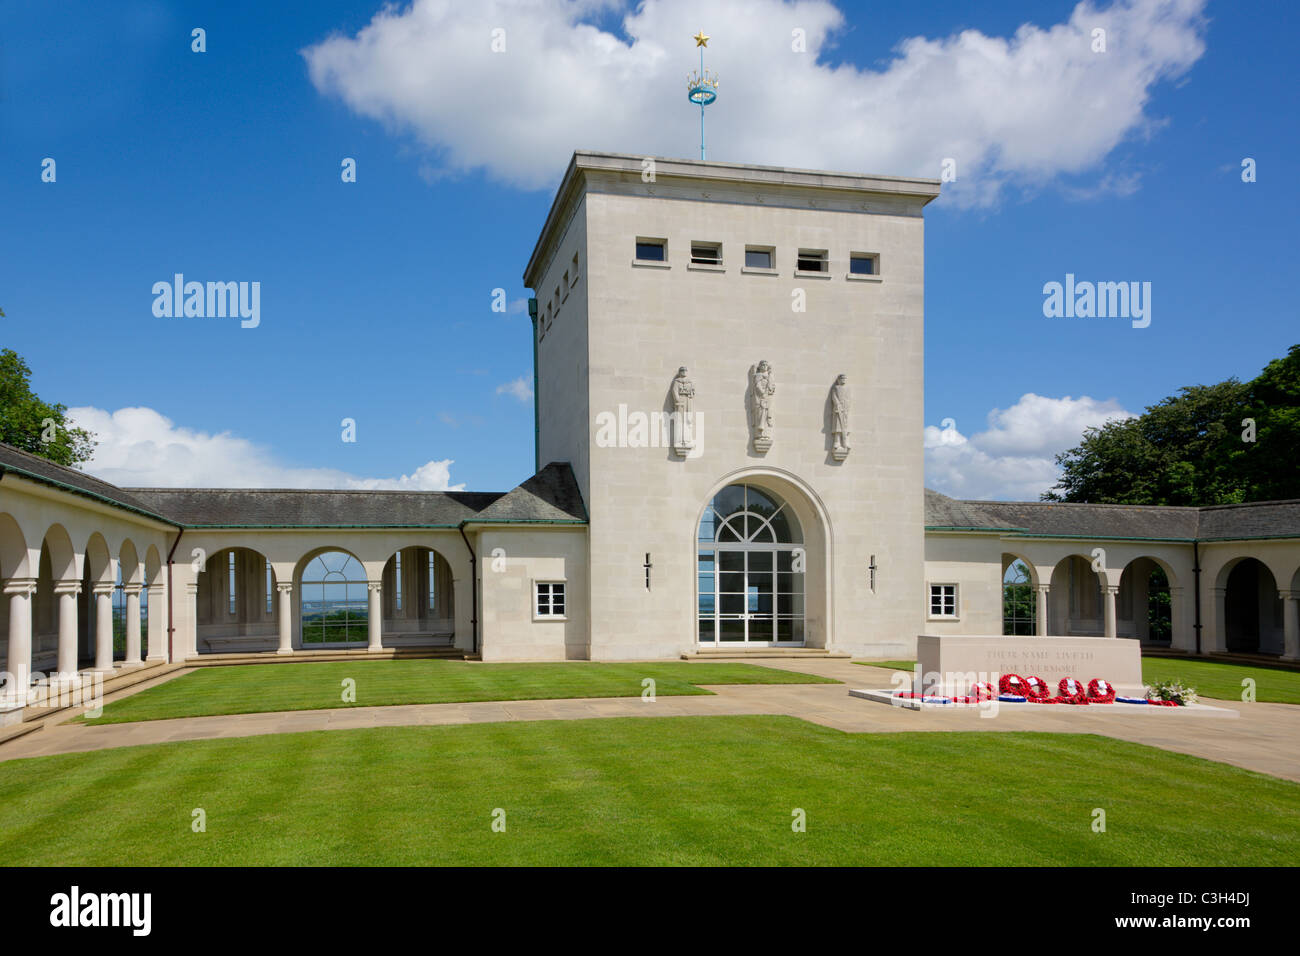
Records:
x=1189, y=448
x=35, y=426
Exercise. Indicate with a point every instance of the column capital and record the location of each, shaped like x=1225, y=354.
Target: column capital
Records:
x=1042, y=588
x=1288, y=594
x=158, y=586
x=374, y=586
x=132, y=588
x=284, y=587
x=192, y=588
x=103, y=590
x=20, y=586
x=67, y=587
x=1111, y=588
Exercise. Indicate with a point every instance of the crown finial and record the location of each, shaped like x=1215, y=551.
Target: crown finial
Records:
x=702, y=86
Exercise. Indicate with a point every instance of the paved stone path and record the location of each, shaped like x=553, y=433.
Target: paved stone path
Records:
x=1264, y=737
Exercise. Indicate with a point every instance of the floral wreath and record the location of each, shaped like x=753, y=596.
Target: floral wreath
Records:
x=1011, y=684
x=982, y=691
x=1036, y=690
x=1070, y=691
x=1100, y=691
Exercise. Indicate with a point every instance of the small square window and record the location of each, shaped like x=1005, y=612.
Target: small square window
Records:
x=943, y=600
x=549, y=599
x=758, y=258
x=651, y=250
x=862, y=264
x=706, y=253
x=812, y=260
x=573, y=270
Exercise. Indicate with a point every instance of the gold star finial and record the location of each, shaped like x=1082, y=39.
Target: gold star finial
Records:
x=701, y=39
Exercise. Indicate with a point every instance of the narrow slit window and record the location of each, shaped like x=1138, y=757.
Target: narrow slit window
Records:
x=397, y=583
x=433, y=580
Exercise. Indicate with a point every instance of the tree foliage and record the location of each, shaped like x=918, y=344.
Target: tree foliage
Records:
x=33, y=425
x=1194, y=448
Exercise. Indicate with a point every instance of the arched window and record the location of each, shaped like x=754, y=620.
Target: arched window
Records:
x=751, y=569
x=334, y=600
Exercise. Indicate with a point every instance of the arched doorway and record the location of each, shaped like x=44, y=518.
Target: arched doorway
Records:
x=418, y=599
x=1252, y=610
x=334, y=601
x=234, y=603
x=751, y=567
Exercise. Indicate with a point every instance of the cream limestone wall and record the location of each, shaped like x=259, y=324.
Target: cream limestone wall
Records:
x=511, y=560
x=974, y=564
x=644, y=322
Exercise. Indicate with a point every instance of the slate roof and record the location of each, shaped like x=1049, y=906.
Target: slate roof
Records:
x=1267, y=519
x=1260, y=519
x=549, y=497
x=70, y=479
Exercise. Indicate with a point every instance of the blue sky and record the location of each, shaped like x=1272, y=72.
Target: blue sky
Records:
x=224, y=165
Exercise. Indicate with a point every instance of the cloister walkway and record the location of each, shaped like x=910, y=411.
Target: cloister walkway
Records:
x=1261, y=738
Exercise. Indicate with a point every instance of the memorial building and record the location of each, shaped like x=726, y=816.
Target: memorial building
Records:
x=729, y=418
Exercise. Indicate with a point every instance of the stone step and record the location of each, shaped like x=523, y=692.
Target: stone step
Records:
x=34, y=718
x=446, y=652
x=764, y=652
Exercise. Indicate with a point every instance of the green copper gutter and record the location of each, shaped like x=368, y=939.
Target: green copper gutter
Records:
x=537, y=401
x=73, y=489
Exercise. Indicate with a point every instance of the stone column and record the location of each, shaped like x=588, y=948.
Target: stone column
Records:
x=286, y=618
x=1110, y=592
x=67, y=592
x=103, y=627
x=1290, y=625
x=375, y=620
x=1218, y=642
x=190, y=641
x=19, y=664
x=132, y=592
x=1040, y=610
x=157, y=622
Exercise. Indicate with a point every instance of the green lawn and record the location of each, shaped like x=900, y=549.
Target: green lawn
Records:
x=632, y=791
x=312, y=686
x=1223, y=681
x=1216, y=679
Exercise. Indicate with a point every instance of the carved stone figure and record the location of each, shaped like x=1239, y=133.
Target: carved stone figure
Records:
x=683, y=391
x=840, y=418
x=763, y=388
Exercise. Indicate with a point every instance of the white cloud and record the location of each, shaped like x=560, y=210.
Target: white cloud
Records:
x=1029, y=107
x=140, y=447
x=521, y=388
x=1015, y=456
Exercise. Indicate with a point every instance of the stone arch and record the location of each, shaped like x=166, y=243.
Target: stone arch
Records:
x=14, y=559
x=1251, y=616
x=817, y=549
x=1144, y=605
x=333, y=602
x=100, y=566
x=1077, y=604
x=418, y=601
x=235, y=606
